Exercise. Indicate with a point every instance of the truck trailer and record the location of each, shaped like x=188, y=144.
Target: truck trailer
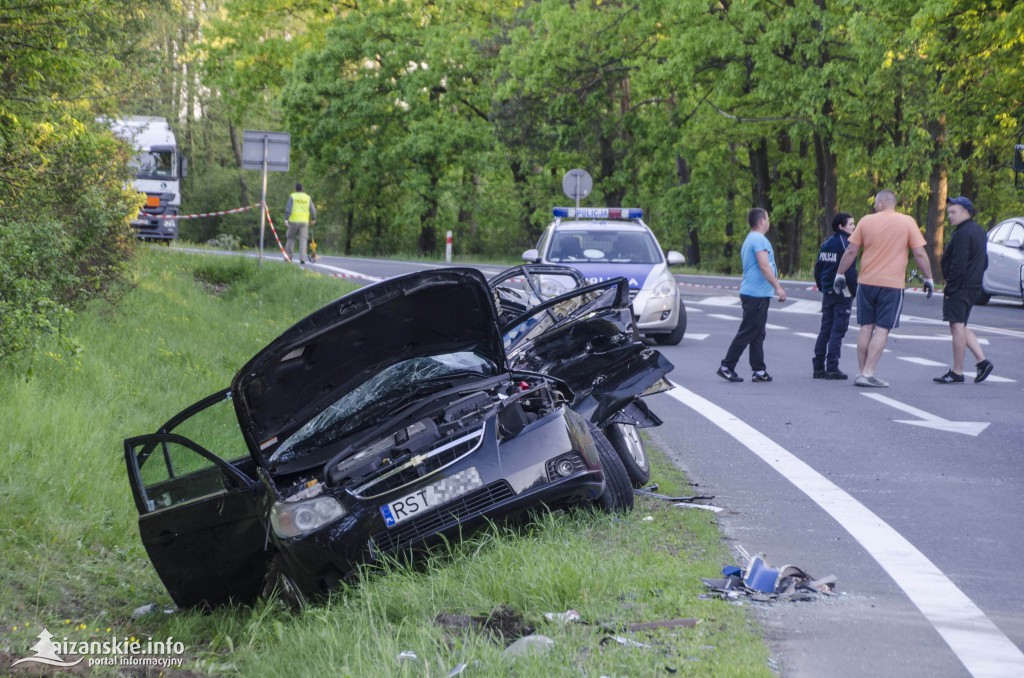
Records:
x=159, y=168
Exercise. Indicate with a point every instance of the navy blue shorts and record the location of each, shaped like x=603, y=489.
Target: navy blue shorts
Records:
x=879, y=306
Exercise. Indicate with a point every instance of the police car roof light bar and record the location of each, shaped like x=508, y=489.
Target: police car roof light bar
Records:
x=598, y=212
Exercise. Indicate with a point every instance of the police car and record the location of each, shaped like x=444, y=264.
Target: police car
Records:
x=608, y=242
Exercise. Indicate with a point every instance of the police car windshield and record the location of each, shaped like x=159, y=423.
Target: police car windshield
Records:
x=601, y=246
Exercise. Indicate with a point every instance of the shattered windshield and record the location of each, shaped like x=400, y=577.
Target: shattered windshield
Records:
x=377, y=397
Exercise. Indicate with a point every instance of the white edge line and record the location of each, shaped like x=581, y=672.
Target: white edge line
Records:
x=979, y=644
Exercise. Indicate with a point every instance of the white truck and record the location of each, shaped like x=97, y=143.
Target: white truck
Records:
x=159, y=168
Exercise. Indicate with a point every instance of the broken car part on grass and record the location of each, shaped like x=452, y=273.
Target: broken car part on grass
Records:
x=409, y=412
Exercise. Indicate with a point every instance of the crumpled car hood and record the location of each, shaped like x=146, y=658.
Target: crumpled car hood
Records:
x=341, y=345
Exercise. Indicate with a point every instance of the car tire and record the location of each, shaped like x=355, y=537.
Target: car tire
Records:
x=277, y=584
x=675, y=336
x=618, y=493
x=983, y=299
x=626, y=440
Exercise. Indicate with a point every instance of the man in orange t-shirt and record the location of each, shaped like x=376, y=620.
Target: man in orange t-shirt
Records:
x=885, y=237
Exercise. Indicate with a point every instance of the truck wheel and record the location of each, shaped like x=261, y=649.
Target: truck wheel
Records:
x=618, y=494
x=626, y=440
x=675, y=336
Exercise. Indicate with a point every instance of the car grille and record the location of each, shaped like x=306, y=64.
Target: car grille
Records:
x=419, y=528
x=577, y=465
x=424, y=463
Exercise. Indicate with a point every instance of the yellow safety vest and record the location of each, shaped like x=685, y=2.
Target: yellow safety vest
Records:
x=300, y=207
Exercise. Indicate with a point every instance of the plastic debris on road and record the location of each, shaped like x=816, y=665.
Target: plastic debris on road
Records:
x=761, y=582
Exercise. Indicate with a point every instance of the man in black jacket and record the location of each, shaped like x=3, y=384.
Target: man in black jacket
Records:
x=963, y=265
x=835, y=308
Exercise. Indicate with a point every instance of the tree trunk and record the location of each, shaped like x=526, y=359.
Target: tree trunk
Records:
x=935, y=224
x=828, y=182
x=236, y=147
x=693, y=234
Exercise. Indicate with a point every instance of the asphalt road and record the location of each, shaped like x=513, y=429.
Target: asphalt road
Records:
x=922, y=523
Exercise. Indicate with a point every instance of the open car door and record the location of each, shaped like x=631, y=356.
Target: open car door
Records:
x=199, y=515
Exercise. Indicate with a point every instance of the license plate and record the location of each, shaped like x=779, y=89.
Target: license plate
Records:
x=426, y=498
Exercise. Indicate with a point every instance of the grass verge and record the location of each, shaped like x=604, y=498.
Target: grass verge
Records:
x=73, y=563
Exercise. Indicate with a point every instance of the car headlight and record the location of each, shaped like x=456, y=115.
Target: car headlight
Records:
x=551, y=288
x=297, y=518
x=666, y=288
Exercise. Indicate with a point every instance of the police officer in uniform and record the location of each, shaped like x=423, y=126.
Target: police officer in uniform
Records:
x=835, y=308
x=298, y=214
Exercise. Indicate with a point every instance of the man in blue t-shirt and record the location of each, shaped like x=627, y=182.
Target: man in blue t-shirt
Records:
x=759, y=285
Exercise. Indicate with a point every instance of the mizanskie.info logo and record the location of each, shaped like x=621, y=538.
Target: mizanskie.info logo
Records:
x=114, y=651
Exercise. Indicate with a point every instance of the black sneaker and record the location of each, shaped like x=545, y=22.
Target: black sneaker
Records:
x=820, y=374
x=836, y=374
x=761, y=376
x=985, y=368
x=729, y=375
x=949, y=377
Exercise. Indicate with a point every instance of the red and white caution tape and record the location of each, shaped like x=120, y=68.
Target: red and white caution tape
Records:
x=274, y=231
x=176, y=217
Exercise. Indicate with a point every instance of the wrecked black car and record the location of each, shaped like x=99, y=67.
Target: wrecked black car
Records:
x=407, y=412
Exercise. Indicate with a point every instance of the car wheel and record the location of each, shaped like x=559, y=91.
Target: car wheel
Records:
x=675, y=336
x=983, y=299
x=278, y=584
x=626, y=440
x=618, y=494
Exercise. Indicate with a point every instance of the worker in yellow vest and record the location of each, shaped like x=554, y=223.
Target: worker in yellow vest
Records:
x=299, y=213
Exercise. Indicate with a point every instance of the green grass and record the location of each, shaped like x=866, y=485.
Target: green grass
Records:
x=73, y=563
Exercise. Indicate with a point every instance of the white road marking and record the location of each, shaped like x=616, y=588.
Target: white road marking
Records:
x=722, y=317
x=799, y=306
x=769, y=326
x=922, y=361
x=976, y=641
x=697, y=337
x=808, y=335
x=718, y=301
x=931, y=337
x=929, y=420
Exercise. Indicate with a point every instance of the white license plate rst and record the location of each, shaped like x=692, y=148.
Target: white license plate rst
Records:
x=428, y=497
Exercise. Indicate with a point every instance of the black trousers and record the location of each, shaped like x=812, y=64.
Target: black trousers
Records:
x=750, y=334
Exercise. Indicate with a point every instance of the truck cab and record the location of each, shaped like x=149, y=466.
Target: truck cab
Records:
x=159, y=168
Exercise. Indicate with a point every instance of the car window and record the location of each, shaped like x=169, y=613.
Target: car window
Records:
x=616, y=247
x=215, y=428
x=173, y=473
x=998, y=234
x=1015, y=234
x=384, y=392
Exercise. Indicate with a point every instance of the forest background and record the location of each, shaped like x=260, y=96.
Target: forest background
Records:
x=410, y=118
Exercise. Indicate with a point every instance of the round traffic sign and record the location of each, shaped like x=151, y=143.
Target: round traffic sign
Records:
x=577, y=184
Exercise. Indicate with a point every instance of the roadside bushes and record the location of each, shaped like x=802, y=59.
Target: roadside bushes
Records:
x=64, y=232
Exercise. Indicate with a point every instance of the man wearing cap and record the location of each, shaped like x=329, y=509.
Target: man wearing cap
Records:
x=963, y=265
x=835, y=308
x=885, y=237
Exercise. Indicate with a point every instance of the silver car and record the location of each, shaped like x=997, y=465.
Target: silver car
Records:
x=1005, y=273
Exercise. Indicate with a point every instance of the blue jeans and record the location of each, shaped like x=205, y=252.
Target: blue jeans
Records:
x=835, y=320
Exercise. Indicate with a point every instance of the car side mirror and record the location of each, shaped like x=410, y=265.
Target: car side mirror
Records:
x=1015, y=244
x=531, y=256
x=675, y=258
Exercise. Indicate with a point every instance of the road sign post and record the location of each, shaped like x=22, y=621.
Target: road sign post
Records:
x=265, y=151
